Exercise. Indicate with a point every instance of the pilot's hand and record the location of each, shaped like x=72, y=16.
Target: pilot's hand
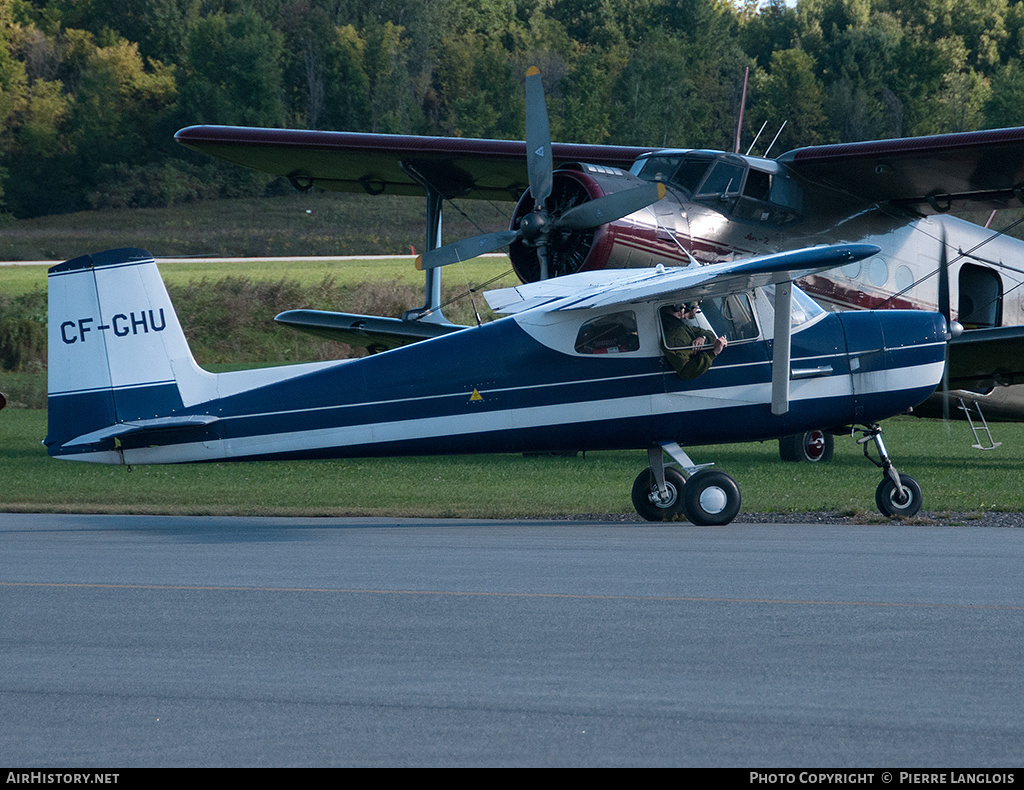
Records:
x=698, y=342
x=720, y=345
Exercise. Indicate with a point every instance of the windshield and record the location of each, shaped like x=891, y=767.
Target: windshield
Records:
x=804, y=309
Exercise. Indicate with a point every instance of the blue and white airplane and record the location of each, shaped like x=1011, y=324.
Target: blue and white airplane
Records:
x=576, y=363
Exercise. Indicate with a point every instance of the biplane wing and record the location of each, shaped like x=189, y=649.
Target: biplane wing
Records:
x=365, y=331
x=980, y=359
x=391, y=164
x=927, y=174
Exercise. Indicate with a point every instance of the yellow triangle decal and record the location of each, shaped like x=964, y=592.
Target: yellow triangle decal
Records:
x=476, y=395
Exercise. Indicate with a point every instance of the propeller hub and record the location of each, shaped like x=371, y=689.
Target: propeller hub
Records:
x=534, y=225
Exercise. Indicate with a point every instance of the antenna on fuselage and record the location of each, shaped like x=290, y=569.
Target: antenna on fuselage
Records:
x=776, y=137
x=756, y=137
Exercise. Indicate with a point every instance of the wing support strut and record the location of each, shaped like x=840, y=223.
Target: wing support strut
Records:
x=431, y=310
x=781, y=348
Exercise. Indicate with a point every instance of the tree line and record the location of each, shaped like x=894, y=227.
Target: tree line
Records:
x=92, y=91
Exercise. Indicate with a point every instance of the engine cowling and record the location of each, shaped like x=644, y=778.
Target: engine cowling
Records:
x=569, y=250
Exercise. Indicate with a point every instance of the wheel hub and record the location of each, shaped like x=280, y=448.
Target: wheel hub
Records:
x=713, y=500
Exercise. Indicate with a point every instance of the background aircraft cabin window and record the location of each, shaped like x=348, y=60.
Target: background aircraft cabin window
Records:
x=760, y=201
x=758, y=186
x=690, y=172
x=724, y=179
x=731, y=316
x=981, y=297
x=614, y=333
x=660, y=168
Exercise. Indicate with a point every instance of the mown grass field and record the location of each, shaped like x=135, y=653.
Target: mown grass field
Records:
x=954, y=477
x=313, y=223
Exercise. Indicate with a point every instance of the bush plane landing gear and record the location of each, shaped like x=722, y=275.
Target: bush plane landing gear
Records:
x=703, y=496
x=898, y=495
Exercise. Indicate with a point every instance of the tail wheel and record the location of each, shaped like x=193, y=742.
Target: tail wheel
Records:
x=894, y=505
x=711, y=498
x=815, y=447
x=647, y=501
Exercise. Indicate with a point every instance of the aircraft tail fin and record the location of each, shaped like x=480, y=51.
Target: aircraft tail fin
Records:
x=117, y=355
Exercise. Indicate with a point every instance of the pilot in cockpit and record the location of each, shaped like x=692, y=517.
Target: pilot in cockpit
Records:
x=690, y=349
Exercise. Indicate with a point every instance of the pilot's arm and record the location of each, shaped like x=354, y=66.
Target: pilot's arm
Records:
x=694, y=361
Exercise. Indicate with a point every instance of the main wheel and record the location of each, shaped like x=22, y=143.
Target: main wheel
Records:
x=645, y=495
x=815, y=447
x=711, y=498
x=891, y=504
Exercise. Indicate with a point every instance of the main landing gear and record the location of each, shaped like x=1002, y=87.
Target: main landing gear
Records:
x=705, y=497
x=898, y=495
x=813, y=447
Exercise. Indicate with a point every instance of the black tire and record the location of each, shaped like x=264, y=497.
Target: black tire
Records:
x=711, y=498
x=814, y=447
x=888, y=502
x=643, y=488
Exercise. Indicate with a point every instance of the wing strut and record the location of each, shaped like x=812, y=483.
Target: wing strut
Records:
x=781, y=348
x=431, y=310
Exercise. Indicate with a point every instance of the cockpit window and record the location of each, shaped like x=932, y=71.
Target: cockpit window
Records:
x=614, y=333
x=731, y=316
x=724, y=179
x=660, y=168
x=804, y=308
x=747, y=188
x=690, y=173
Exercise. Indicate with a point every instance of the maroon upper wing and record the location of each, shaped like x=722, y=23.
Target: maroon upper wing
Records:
x=376, y=163
x=926, y=173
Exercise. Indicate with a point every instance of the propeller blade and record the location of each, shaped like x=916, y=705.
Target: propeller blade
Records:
x=609, y=208
x=944, y=280
x=538, y=138
x=465, y=249
x=945, y=310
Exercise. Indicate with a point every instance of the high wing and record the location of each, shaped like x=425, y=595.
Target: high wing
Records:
x=587, y=290
x=928, y=174
x=365, y=331
x=391, y=164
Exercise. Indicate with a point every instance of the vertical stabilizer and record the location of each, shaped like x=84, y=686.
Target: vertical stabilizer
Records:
x=117, y=352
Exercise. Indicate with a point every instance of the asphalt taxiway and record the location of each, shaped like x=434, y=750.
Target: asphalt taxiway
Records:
x=164, y=641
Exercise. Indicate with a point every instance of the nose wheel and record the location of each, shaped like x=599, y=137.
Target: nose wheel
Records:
x=898, y=495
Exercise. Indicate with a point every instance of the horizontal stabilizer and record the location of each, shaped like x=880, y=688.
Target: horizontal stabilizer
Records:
x=136, y=427
x=363, y=331
x=980, y=359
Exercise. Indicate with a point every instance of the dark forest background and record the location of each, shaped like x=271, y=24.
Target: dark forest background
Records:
x=92, y=91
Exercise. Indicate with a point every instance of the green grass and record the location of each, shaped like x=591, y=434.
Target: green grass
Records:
x=15, y=280
x=954, y=477
x=314, y=223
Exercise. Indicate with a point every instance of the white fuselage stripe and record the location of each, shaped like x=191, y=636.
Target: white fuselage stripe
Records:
x=907, y=378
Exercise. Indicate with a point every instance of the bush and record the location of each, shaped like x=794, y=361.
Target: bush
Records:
x=22, y=331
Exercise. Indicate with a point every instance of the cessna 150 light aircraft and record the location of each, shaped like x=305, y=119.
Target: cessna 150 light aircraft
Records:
x=590, y=208
x=578, y=360
x=576, y=363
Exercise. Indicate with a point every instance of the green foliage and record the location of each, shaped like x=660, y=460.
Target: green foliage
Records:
x=232, y=71
x=23, y=331
x=91, y=91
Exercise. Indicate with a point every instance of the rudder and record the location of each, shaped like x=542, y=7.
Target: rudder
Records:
x=117, y=352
